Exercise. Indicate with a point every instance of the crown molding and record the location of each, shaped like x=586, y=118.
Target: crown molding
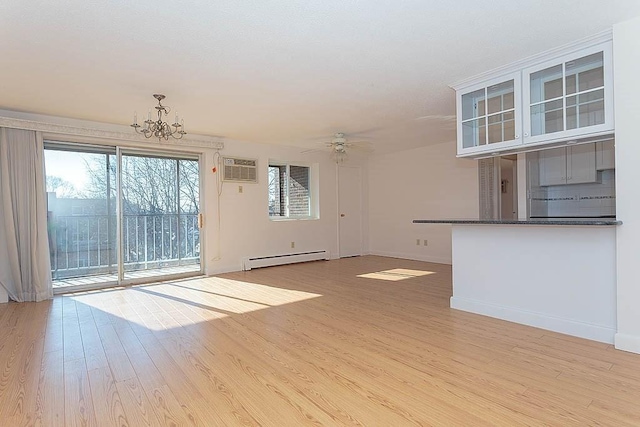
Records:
x=88, y=132
x=601, y=37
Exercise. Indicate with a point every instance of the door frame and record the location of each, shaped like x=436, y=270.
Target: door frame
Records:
x=120, y=151
x=338, y=213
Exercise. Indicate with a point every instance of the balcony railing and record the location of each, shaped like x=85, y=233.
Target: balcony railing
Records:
x=83, y=245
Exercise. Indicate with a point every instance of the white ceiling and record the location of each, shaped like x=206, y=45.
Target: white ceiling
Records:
x=280, y=71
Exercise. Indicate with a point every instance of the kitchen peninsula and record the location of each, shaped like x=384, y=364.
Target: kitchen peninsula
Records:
x=555, y=274
x=543, y=134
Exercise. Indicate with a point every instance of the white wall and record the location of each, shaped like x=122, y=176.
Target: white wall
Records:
x=243, y=227
x=626, y=48
x=427, y=182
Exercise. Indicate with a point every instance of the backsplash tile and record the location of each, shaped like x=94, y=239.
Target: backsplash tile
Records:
x=594, y=199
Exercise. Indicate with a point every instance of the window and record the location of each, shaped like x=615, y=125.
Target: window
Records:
x=289, y=191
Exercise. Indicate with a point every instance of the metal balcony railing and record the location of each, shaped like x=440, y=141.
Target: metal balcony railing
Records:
x=82, y=245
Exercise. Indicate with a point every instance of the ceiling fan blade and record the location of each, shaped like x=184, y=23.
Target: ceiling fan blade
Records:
x=311, y=150
x=437, y=117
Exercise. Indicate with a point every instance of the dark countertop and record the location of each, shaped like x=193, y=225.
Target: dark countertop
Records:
x=534, y=221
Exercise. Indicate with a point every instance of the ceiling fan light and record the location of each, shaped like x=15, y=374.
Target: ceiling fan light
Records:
x=340, y=156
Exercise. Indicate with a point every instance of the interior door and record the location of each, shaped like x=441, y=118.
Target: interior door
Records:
x=350, y=211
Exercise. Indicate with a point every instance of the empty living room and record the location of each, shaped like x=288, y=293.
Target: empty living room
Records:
x=293, y=213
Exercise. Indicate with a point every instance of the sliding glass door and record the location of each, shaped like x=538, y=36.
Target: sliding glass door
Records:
x=120, y=216
x=160, y=207
x=81, y=214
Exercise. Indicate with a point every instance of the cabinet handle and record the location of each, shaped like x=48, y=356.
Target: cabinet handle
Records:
x=517, y=136
x=526, y=134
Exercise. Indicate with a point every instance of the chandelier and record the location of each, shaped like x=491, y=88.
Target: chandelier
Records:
x=158, y=128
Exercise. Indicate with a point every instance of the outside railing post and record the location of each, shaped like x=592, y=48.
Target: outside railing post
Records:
x=146, y=240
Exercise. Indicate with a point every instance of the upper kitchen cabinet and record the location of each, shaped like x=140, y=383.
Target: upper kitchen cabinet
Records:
x=557, y=97
x=489, y=115
x=569, y=98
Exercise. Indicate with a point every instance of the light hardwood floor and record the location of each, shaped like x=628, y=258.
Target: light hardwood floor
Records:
x=306, y=344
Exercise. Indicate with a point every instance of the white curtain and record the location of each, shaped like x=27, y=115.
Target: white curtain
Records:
x=25, y=267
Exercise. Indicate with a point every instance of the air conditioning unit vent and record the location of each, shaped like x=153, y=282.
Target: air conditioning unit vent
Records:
x=243, y=170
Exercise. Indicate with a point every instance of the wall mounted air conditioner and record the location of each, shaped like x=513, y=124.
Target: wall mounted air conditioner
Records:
x=240, y=170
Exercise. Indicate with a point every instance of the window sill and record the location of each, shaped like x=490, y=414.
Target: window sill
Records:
x=306, y=218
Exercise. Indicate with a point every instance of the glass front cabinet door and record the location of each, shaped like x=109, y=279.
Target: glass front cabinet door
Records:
x=570, y=97
x=489, y=116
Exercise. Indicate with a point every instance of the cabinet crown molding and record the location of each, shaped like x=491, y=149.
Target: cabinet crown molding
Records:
x=601, y=37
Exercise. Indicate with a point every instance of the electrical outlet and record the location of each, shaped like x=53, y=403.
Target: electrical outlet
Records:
x=240, y=189
x=425, y=242
x=417, y=242
x=293, y=245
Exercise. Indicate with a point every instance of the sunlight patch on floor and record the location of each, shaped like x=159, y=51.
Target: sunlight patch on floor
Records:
x=396, y=274
x=151, y=306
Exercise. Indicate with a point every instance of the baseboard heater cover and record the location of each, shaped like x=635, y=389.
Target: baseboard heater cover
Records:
x=272, y=260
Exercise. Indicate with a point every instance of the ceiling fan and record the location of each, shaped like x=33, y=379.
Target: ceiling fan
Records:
x=339, y=145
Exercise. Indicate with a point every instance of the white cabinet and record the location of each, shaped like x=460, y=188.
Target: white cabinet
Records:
x=570, y=97
x=559, y=97
x=489, y=115
x=605, y=155
x=575, y=164
x=581, y=164
x=553, y=166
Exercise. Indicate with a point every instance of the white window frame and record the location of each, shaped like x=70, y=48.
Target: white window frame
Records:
x=312, y=191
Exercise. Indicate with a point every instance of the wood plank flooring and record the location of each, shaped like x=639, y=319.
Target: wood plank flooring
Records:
x=307, y=344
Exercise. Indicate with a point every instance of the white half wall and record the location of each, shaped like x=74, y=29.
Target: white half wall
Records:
x=560, y=278
x=626, y=48
x=427, y=182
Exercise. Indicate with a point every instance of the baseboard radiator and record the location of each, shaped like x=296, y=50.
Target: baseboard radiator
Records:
x=269, y=261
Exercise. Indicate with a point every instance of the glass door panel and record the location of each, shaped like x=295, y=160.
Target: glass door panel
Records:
x=500, y=97
x=81, y=216
x=160, y=206
x=488, y=115
x=568, y=96
x=546, y=84
x=585, y=73
x=474, y=133
x=473, y=105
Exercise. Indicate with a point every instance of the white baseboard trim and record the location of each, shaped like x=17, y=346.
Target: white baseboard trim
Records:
x=436, y=260
x=627, y=342
x=538, y=320
x=221, y=270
